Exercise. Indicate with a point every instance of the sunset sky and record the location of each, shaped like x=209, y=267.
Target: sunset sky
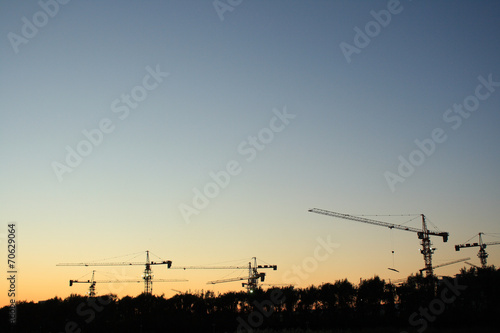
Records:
x=204, y=133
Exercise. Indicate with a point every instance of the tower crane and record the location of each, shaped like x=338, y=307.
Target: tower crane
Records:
x=482, y=248
x=147, y=276
x=423, y=234
x=446, y=264
x=253, y=274
x=93, y=282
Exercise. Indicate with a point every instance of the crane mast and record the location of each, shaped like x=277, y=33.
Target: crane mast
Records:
x=423, y=234
x=427, y=251
x=148, y=284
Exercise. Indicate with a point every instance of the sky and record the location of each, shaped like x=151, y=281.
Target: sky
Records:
x=204, y=131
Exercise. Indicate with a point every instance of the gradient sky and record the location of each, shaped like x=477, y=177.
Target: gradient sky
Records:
x=352, y=122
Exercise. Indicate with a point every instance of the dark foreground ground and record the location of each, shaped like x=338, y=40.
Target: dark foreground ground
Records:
x=386, y=330
x=469, y=302
x=476, y=329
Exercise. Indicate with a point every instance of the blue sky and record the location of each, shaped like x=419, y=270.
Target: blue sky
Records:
x=351, y=123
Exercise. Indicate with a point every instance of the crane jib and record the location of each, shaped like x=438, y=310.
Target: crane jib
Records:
x=420, y=233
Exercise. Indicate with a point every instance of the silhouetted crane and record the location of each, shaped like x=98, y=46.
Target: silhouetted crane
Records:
x=93, y=282
x=482, y=248
x=147, y=276
x=423, y=234
x=253, y=274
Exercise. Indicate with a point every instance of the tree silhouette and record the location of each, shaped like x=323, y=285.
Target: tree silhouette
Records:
x=471, y=302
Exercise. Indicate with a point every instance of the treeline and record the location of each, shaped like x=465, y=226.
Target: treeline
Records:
x=469, y=300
